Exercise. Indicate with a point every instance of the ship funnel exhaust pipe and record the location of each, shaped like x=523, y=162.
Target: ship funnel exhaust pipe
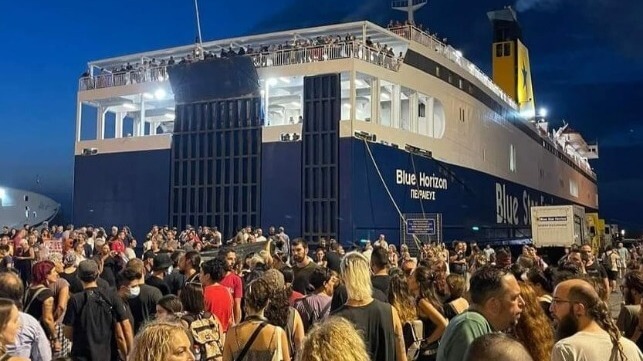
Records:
x=511, y=68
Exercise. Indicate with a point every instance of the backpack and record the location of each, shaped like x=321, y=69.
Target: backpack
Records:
x=416, y=330
x=206, y=333
x=312, y=317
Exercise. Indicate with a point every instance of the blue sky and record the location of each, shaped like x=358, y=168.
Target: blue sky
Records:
x=586, y=59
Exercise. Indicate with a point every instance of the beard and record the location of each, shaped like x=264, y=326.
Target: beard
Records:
x=567, y=326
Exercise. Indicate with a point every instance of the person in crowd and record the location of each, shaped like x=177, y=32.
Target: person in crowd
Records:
x=23, y=261
x=379, y=321
x=334, y=339
x=496, y=304
x=9, y=327
x=429, y=309
x=280, y=313
x=198, y=319
x=175, y=279
x=289, y=277
x=498, y=346
x=585, y=329
x=255, y=338
x=32, y=342
x=316, y=306
x=541, y=283
x=140, y=297
x=632, y=290
x=380, y=266
x=458, y=258
x=167, y=306
x=594, y=269
x=232, y=281
x=70, y=271
x=109, y=265
x=403, y=300
x=61, y=290
x=151, y=343
x=455, y=303
x=190, y=266
x=625, y=258
x=534, y=328
x=96, y=321
x=218, y=298
x=303, y=266
x=611, y=260
x=162, y=262
x=320, y=257
x=340, y=295
x=39, y=299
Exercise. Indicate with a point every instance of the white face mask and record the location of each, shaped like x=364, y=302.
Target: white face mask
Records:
x=134, y=291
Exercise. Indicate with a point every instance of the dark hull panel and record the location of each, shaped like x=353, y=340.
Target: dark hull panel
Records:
x=130, y=188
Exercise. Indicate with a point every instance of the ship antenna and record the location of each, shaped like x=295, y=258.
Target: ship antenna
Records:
x=410, y=6
x=198, y=24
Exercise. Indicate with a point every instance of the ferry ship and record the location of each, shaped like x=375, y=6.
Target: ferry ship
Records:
x=347, y=131
x=19, y=208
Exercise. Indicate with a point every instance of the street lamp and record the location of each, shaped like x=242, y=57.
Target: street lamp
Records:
x=623, y=232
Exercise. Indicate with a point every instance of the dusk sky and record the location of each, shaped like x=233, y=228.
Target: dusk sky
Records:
x=587, y=65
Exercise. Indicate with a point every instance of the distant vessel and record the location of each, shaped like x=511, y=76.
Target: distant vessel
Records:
x=345, y=131
x=19, y=207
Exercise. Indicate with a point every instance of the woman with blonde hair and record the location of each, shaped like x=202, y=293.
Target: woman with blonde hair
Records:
x=151, y=343
x=533, y=329
x=335, y=339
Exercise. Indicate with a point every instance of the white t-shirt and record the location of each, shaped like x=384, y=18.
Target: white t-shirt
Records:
x=593, y=346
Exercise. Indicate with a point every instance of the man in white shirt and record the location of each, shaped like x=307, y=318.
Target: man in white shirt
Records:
x=585, y=327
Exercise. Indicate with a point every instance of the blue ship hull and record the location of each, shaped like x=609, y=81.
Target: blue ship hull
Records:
x=473, y=205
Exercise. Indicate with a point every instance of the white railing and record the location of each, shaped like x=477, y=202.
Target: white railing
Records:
x=127, y=77
x=311, y=54
x=412, y=33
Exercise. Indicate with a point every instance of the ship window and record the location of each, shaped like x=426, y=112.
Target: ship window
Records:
x=512, y=158
x=437, y=71
x=460, y=84
x=498, y=50
x=386, y=103
x=438, y=122
x=363, y=96
x=406, y=95
x=26, y=198
x=282, y=96
x=507, y=49
x=573, y=188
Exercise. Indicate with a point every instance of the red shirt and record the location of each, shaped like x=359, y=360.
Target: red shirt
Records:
x=219, y=302
x=294, y=297
x=234, y=284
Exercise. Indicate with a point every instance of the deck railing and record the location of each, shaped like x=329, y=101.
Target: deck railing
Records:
x=413, y=33
x=280, y=57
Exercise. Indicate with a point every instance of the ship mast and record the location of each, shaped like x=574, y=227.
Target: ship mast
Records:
x=410, y=6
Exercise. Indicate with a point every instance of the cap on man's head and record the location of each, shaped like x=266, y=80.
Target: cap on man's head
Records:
x=88, y=270
x=162, y=261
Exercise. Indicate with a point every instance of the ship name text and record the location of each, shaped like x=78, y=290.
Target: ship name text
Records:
x=423, y=184
x=515, y=209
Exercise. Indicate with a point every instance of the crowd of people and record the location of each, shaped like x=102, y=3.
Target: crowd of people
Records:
x=92, y=294
x=297, y=51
